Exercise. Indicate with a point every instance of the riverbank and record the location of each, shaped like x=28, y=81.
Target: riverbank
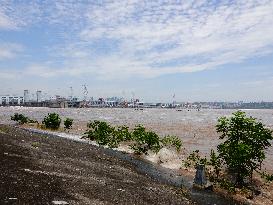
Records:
x=197, y=130
x=37, y=169
x=154, y=167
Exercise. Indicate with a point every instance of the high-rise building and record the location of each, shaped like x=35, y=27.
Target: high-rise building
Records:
x=26, y=96
x=39, y=96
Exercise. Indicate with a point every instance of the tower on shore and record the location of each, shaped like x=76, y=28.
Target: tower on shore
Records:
x=26, y=96
x=39, y=96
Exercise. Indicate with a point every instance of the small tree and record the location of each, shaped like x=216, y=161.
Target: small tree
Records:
x=145, y=140
x=243, y=150
x=172, y=141
x=68, y=123
x=101, y=132
x=20, y=118
x=140, y=140
x=52, y=121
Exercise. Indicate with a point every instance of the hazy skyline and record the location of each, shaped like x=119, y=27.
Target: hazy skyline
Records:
x=199, y=50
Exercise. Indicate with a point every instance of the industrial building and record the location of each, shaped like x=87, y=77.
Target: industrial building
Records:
x=8, y=100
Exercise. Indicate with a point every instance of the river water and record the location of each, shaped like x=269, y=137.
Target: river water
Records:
x=195, y=128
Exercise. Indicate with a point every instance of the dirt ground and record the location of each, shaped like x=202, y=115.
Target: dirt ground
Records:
x=37, y=169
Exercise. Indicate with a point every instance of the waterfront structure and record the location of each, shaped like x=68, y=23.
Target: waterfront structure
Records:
x=74, y=103
x=38, y=100
x=57, y=104
x=108, y=102
x=39, y=96
x=98, y=103
x=26, y=96
x=11, y=100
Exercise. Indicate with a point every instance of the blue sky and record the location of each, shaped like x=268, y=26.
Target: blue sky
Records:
x=199, y=50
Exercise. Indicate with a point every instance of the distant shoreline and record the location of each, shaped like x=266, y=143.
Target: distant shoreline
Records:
x=144, y=108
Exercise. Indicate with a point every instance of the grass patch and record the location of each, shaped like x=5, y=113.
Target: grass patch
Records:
x=4, y=129
x=35, y=144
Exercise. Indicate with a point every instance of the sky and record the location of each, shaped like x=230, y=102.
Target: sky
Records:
x=217, y=50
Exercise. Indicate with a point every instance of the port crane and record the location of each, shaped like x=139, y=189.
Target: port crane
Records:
x=71, y=93
x=85, y=93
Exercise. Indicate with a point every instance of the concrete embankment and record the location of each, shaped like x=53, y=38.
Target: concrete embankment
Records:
x=37, y=169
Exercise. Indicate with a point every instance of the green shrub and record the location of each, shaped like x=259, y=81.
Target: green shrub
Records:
x=172, y=141
x=194, y=159
x=243, y=150
x=141, y=140
x=227, y=185
x=145, y=140
x=20, y=118
x=68, y=123
x=123, y=133
x=216, y=164
x=213, y=165
x=267, y=177
x=102, y=133
x=52, y=121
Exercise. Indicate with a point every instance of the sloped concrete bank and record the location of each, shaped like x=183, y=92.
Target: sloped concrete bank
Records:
x=80, y=173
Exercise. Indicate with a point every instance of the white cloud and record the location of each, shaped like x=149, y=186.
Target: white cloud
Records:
x=203, y=35
x=15, y=15
x=9, y=50
x=7, y=75
x=5, y=22
x=152, y=38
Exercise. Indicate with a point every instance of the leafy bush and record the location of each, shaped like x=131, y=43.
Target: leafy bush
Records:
x=123, y=133
x=172, y=141
x=243, y=150
x=145, y=141
x=227, y=185
x=194, y=159
x=267, y=177
x=52, y=121
x=140, y=139
x=20, y=118
x=216, y=164
x=104, y=134
x=68, y=123
x=213, y=165
x=100, y=132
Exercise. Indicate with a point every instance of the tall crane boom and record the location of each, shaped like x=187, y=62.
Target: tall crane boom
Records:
x=71, y=93
x=85, y=94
